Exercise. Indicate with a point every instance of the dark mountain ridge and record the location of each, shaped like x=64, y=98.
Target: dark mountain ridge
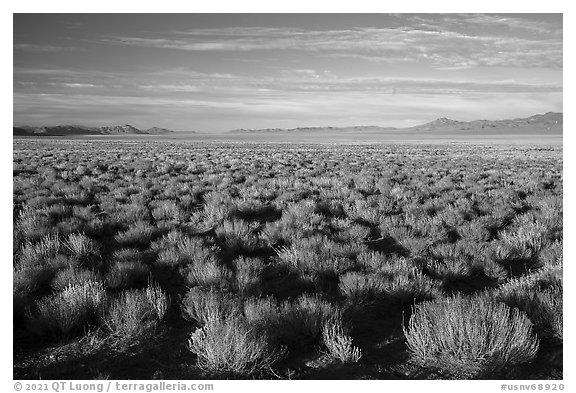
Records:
x=125, y=129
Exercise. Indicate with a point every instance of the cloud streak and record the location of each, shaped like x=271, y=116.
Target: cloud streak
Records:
x=36, y=48
x=179, y=81
x=436, y=44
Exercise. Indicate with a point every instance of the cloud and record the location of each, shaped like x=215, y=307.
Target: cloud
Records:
x=510, y=22
x=35, y=48
x=81, y=85
x=184, y=83
x=171, y=87
x=440, y=41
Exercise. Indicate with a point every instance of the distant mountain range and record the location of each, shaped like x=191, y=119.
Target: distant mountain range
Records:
x=545, y=121
x=84, y=130
x=549, y=122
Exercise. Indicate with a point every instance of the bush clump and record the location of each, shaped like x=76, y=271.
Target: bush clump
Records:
x=72, y=275
x=72, y=308
x=125, y=274
x=248, y=274
x=542, y=305
x=83, y=249
x=339, y=343
x=208, y=305
x=136, y=313
x=468, y=337
x=139, y=233
x=307, y=315
x=231, y=346
x=400, y=288
x=209, y=273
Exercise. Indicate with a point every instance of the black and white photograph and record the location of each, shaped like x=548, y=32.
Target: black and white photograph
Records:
x=287, y=196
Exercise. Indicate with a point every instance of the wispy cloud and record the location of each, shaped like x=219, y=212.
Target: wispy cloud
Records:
x=36, y=48
x=512, y=23
x=437, y=44
x=171, y=87
x=79, y=85
x=185, y=82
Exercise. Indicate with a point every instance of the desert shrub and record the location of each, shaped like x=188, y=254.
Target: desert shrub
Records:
x=126, y=274
x=140, y=233
x=339, y=343
x=46, y=252
x=95, y=227
x=71, y=309
x=318, y=255
x=33, y=224
x=493, y=270
x=69, y=225
x=136, y=313
x=28, y=280
x=298, y=221
x=217, y=208
x=134, y=213
x=451, y=268
x=264, y=314
x=17, y=242
x=248, y=271
x=79, y=245
x=525, y=241
x=72, y=275
x=361, y=286
x=238, y=235
x=170, y=257
x=541, y=301
x=417, y=246
x=395, y=227
x=550, y=211
x=158, y=299
x=385, y=264
x=361, y=210
x=85, y=213
x=468, y=337
x=176, y=249
x=293, y=322
x=402, y=288
x=231, y=346
x=208, y=305
x=127, y=254
x=475, y=230
x=551, y=255
x=414, y=286
x=372, y=260
x=307, y=314
x=272, y=234
x=209, y=272
x=457, y=250
x=83, y=249
x=168, y=211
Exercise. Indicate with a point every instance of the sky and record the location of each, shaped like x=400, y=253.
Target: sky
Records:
x=218, y=72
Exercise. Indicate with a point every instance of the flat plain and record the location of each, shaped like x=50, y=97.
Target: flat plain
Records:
x=290, y=256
